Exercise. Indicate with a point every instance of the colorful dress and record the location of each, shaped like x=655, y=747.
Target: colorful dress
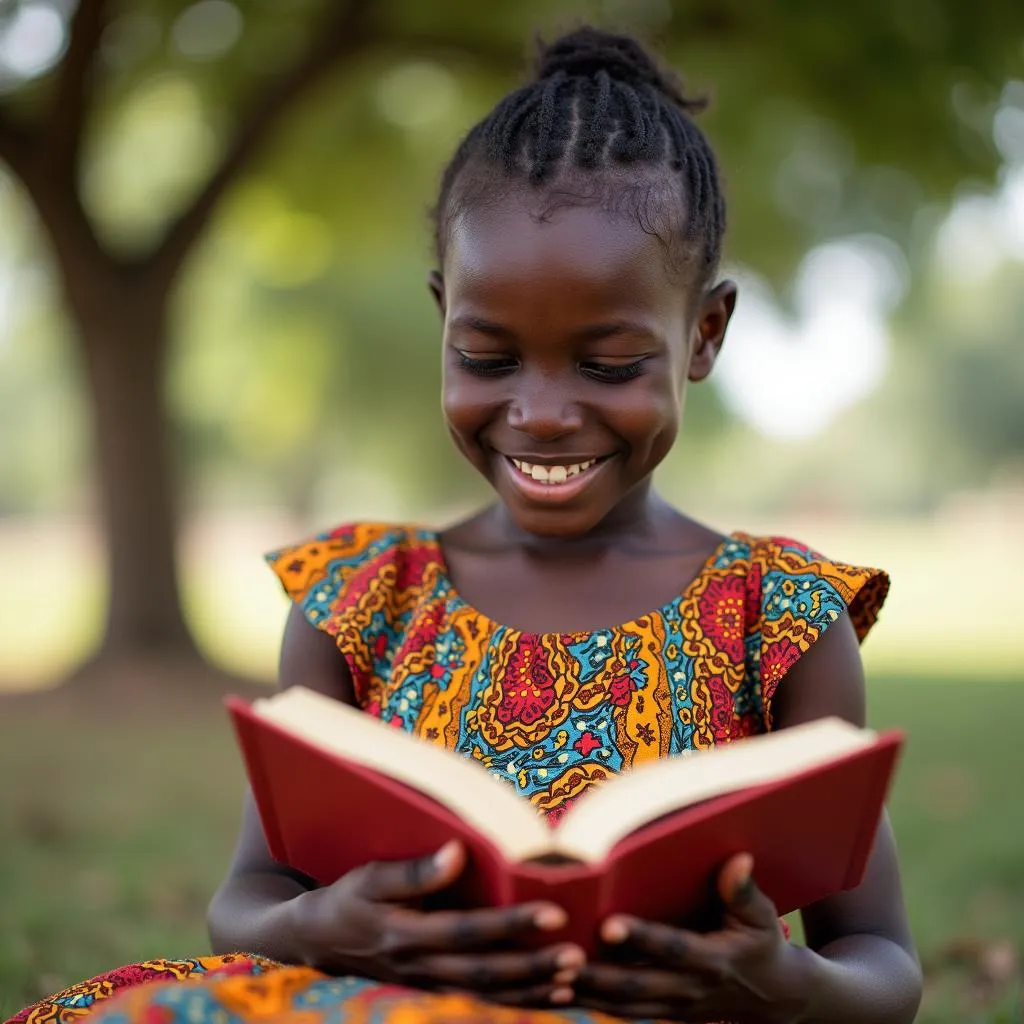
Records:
x=551, y=714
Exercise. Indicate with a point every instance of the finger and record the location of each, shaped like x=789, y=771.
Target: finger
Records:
x=670, y=947
x=638, y=984
x=400, y=880
x=483, y=973
x=734, y=875
x=458, y=930
x=743, y=900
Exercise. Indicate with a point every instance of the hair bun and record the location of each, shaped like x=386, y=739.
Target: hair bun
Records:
x=588, y=50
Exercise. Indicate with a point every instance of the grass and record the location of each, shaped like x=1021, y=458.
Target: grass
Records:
x=116, y=830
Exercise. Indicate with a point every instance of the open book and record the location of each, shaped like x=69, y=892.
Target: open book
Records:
x=336, y=788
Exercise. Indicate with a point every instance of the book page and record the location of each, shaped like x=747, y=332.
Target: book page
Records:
x=493, y=807
x=648, y=792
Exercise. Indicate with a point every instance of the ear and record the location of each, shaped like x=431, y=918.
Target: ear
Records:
x=435, y=282
x=716, y=311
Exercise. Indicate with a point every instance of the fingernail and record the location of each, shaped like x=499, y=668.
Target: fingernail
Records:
x=549, y=919
x=562, y=995
x=443, y=858
x=744, y=891
x=614, y=930
x=570, y=958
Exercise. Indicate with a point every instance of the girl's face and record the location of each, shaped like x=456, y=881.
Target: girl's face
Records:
x=567, y=348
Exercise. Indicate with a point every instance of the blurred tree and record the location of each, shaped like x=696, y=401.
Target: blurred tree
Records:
x=851, y=117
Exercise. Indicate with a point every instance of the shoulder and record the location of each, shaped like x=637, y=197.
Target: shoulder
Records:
x=807, y=613
x=797, y=582
x=320, y=567
x=350, y=584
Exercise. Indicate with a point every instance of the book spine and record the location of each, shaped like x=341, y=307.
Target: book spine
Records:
x=870, y=815
x=259, y=782
x=577, y=888
x=604, y=890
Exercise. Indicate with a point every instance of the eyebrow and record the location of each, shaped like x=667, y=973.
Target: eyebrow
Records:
x=596, y=332
x=481, y=326
x=592, y=332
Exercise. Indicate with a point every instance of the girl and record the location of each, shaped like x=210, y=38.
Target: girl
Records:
x=578, y=233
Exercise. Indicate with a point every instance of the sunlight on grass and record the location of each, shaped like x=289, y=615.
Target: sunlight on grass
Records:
x=950, y=614
x=51, y=607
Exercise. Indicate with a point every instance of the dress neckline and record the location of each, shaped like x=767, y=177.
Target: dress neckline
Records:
x=637, y=624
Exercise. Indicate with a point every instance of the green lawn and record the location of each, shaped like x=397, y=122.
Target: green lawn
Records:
x=115, y=832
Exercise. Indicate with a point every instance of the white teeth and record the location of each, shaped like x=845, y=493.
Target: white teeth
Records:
x=552, y=474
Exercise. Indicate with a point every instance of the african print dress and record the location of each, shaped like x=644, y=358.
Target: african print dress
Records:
x=551, y=714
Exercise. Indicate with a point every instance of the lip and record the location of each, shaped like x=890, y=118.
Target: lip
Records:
x=552, y=494
x=555, y=460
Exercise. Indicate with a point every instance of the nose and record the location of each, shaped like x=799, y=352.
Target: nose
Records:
x=544, y=411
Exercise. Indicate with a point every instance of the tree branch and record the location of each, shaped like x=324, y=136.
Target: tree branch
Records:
x=511, y=59
x=64, y=126
x=345, y=34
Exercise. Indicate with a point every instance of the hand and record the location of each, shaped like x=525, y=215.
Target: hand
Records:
x=745, y=971
x=359, y=925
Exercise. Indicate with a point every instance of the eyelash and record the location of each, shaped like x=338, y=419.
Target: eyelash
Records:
x=602, y=373
x=487, y=367
x=613, y=374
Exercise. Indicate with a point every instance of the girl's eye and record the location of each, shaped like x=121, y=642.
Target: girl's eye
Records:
x=492, y=367
x=612, y=373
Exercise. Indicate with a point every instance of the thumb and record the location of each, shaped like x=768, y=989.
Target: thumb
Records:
x=448, y=864
x=396, y=881
x=741, y=896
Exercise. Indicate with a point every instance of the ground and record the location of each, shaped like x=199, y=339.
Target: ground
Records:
x=117, y=827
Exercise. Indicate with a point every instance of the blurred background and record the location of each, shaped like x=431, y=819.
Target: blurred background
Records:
x=215, y=337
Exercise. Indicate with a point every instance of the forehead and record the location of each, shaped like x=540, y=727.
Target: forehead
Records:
x=576, y=250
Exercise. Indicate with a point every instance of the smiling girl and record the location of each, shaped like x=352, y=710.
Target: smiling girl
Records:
x=576, y=627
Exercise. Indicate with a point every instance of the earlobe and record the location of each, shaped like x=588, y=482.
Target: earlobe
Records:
x=715, y=313
x=435, y=282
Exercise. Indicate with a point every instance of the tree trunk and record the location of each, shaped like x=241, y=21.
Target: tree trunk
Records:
x=119, y=306
x=124, y=347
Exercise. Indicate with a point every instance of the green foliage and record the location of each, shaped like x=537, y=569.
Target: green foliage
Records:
x=306, y=342
x=827, y=117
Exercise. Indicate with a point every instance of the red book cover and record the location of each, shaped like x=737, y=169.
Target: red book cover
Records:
x=810, y=834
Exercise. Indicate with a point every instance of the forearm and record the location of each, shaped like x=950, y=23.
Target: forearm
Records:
x=253, y=913
x=861, y=979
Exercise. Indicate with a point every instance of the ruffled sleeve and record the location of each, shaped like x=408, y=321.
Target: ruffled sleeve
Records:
x=344, y=581
x=801, y=594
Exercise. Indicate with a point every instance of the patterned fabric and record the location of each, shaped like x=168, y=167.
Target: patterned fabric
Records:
x=555, y=713
x=81, y=999
x=249, y=989
x=551, y=714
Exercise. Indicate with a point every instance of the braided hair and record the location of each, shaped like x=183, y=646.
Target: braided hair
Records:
x=598, y=108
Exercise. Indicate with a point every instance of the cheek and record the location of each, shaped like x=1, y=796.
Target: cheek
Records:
x=648, y=415
x=466, y=409
x=649, y=423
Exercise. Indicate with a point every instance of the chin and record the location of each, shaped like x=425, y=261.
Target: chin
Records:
x=556, y=523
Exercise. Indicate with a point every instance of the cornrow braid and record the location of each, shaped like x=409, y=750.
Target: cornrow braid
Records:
x=598, y=104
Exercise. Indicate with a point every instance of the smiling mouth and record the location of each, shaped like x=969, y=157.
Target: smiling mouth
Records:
x=553, y=475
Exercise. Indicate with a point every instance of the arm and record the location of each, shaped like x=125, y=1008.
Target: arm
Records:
x=365, y=923
x=252, y=910
x=864, y=967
